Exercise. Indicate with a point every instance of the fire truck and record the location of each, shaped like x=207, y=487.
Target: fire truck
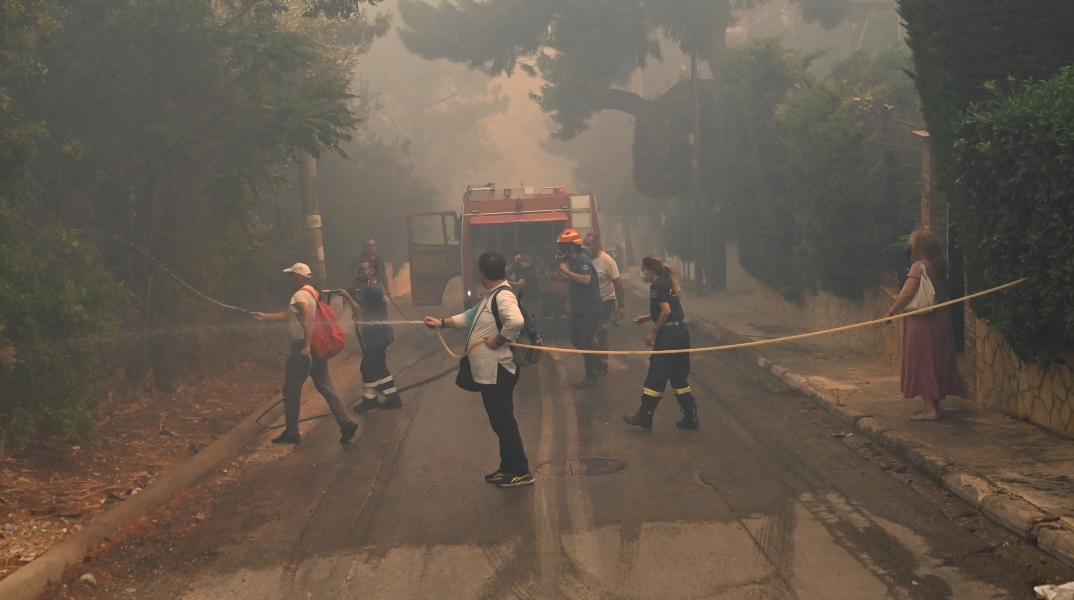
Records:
x=447, y=244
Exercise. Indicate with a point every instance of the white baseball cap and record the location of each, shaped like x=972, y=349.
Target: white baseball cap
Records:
x=300, y=269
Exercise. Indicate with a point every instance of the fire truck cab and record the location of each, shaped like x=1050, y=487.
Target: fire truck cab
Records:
x=446, y=244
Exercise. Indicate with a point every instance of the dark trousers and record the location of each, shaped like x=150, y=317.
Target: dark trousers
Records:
x=374, y=364
x=375, y=374
x=674, y=368
x=296, y=369
x=583, y=337
x=500, y=406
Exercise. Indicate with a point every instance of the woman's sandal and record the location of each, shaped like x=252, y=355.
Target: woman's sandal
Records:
x=918, y=416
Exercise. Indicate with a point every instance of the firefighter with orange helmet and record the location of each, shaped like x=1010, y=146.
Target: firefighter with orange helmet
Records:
x=584, y=300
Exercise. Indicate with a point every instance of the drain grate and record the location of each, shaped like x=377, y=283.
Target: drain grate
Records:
x=581, y=467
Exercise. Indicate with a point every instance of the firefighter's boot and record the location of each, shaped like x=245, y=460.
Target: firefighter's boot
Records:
x=393, y=401
x=644, y=417
x=688, y=405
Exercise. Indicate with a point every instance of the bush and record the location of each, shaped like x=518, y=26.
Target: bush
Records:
x=1013, y=155
x=851, y=170
x=58, y=312
x=822, y=181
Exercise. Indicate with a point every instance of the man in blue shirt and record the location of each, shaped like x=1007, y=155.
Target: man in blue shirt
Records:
x=585, y=302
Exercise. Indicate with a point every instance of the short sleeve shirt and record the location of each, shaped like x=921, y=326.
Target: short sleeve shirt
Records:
x=660, y=291
x=294, y=325
x=607, y=271
x=585, y=298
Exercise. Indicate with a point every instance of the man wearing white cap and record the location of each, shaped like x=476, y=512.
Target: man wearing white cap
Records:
x=301, y=363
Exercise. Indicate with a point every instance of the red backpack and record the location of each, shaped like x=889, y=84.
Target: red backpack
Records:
x=327, y=334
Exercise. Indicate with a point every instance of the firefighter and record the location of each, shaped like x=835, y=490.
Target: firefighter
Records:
x=669, y=333
x=585, y=303
x=368, y=306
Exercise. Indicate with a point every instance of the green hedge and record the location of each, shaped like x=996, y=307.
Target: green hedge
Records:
x=1014, y=159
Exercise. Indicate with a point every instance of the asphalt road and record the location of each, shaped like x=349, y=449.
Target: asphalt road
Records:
x=770, y=499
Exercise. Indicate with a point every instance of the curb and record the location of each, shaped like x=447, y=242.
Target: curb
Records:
x=31, y=579
x=1012, y=512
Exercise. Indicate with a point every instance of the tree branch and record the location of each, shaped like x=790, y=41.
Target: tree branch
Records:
x=621, y=100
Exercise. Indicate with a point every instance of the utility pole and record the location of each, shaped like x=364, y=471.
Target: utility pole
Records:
x=695, y=184
x=307, y=177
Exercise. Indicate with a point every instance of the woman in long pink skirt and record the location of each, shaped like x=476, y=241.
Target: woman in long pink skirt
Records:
x=929, y=367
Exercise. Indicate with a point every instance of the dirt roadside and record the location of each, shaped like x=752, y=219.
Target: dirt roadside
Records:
x=49, y=490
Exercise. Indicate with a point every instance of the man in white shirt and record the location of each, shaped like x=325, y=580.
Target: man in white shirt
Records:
x=611, y=293
x=493, y=366
x=301, y=363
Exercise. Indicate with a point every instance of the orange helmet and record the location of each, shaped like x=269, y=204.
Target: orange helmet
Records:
x=569, y=236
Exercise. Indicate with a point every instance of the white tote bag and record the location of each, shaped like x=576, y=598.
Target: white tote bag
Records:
x=925, y=296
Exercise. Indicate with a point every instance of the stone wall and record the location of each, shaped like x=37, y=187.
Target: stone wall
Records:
x=1021, y=390
x=822, y=310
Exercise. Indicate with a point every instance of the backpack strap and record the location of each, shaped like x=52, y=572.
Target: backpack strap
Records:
x=316, y=299
x=496, y=309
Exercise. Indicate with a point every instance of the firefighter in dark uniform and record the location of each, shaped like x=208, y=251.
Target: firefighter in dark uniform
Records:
x=370, y=311
x=669, y=333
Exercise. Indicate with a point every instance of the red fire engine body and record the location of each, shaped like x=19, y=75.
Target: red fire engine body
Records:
x=446, y=244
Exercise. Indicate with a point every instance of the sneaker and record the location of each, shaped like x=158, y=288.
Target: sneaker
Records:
x=392, y=402
x=347, y=431
x=588, y=382
x=287, y=438
x=497, y=477
x=366, y=405
x=516, y=480
x=603, y=368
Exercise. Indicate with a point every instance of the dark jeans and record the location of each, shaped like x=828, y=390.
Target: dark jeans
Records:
x=500, y=406
x=296, y=370
x=583, y=332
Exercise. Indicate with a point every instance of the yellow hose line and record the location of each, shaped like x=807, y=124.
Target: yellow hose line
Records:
x=741, y=345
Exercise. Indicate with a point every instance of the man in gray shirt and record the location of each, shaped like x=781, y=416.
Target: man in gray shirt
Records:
x=302, y=363
x=612, y=293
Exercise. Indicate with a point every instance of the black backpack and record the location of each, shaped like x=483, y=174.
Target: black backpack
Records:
x=523, y=357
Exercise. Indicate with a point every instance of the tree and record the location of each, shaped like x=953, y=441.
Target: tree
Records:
x=169, y=124
x=172, y=123
x=57, y=307
x=821, y=182
x=585, y=51
x=958, y=46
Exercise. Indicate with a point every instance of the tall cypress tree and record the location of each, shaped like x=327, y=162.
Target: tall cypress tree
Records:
x=959, y=45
